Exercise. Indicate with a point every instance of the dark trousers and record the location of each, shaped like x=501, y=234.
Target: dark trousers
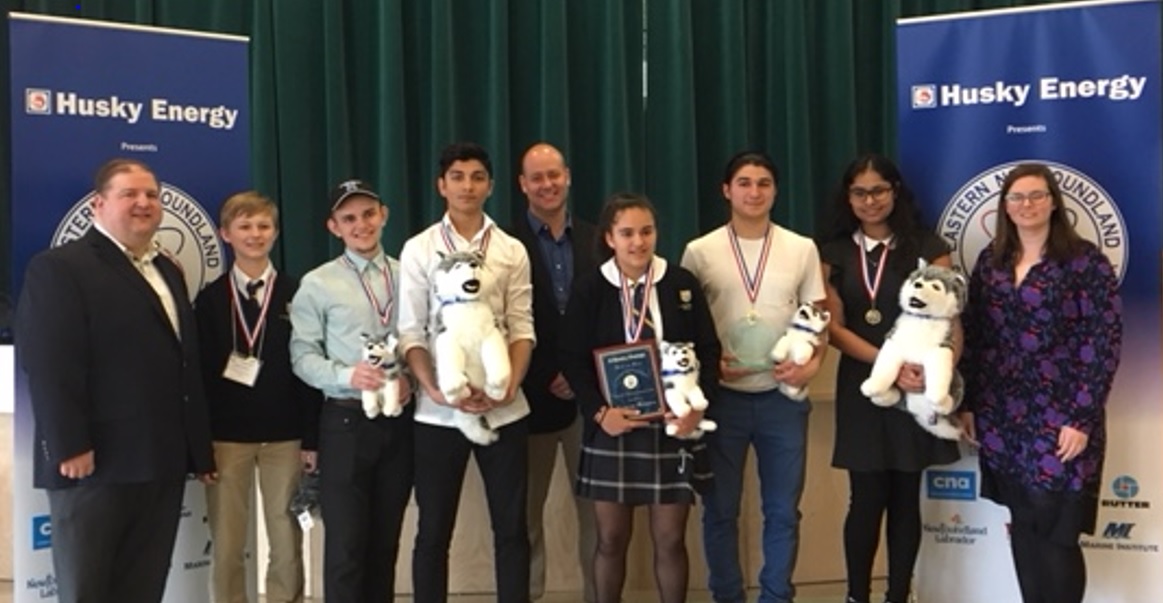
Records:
x=1044, y=542
x=873, y=495
x=365, y=479
x=441, y=458
x=112, y=543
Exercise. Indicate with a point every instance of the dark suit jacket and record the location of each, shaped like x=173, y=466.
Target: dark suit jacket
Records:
x=548, y=412
x=106, y=370
x=279, y=407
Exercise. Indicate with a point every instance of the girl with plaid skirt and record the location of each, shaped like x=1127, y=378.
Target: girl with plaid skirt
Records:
x=627, y=459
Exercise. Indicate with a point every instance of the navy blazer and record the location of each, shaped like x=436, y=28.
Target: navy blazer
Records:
x=549, y=413
x=106, y=370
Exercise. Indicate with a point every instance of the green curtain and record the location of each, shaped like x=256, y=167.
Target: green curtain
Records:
x=374, y=89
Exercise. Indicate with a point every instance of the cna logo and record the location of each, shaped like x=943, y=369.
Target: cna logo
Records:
x=37, y=101
x=1126, y=490
x=970, y=217
x=41, y=532
x=1118, y=531
x=951, y=485
x=187, y=234
x=924, y=96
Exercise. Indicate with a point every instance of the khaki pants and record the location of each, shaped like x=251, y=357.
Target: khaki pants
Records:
x=228, y=503
x=542, y=461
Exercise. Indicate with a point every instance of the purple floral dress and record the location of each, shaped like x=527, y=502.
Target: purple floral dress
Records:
x=1037, y=357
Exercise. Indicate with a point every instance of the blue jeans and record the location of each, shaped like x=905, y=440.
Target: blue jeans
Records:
x=777, y=427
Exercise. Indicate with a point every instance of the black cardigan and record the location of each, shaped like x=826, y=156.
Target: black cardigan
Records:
x=594, y=320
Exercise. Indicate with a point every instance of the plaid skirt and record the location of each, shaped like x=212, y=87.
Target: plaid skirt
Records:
x=643, y=467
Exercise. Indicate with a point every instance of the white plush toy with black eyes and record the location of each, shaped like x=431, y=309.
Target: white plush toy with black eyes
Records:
x=469, y=350
x=380, y=352
x=680, y=386
x=799, y=343
x=931, y=298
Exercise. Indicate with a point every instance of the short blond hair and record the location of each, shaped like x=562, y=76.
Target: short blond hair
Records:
x=247, y=203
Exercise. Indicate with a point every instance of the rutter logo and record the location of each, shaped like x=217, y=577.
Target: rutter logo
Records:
x=186, y=233
x=1126, y=491
x=970, y=217
x=37, y=101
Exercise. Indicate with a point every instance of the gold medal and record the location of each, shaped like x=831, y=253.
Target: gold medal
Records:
x=872, y=316
x=752, y=316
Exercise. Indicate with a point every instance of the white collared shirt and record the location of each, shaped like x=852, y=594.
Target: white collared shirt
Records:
x=510, y=295
x=145, y=266
x=610, y=272
x=241, y=279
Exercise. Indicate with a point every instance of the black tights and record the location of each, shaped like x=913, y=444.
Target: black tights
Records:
x=872, y=494
x=1049, y=565
x=615, y=524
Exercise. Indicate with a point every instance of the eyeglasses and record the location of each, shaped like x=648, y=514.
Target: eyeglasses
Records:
x=1034, y=197
x=876, y=192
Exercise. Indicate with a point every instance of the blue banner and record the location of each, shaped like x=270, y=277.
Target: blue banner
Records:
x=83, y=92
x=1075, y=86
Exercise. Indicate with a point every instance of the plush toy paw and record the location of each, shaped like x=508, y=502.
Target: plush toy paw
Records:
x=887, y=398
x=371, y=404
x=945, y=405
x=475, y=429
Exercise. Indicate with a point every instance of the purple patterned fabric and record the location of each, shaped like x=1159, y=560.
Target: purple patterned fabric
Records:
x=1040, y=356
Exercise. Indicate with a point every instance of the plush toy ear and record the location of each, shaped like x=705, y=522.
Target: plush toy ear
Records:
x=826, y=315
x=441, y=254
x=921, y=263
x=364, y=337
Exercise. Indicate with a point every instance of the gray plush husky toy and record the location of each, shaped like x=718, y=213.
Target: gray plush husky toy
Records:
x=930, y=300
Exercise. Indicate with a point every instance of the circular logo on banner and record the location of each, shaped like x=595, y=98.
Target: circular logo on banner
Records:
x=187, y=234
x=970, y=217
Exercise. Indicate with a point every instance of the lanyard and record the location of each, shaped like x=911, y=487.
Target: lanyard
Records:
x=751, y=282
x=446, y=234
x=384, y=312
x=248, y=334
x=634, y=319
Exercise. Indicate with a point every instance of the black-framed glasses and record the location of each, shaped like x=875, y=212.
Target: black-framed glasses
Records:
x=877, y=192
x=1034, y=197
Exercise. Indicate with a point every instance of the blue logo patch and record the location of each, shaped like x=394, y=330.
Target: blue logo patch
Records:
x=41, y=532
x=951, y=485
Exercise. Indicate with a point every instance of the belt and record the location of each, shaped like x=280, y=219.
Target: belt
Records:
x=349, y=403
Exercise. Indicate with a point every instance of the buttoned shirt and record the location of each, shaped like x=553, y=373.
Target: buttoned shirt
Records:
x=329, y=313
x=508, y=292
x=149, y=272
x=242, y=279
x=558, y=256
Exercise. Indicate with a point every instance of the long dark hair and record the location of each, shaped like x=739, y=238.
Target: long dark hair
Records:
x=614, y=205
x=1064, y=243
x=904, y=221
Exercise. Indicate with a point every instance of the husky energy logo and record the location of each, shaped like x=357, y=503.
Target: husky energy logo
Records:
x=970, y=217
x=186, y=234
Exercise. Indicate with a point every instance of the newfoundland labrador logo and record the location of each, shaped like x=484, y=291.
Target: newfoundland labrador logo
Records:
x=970, y=217
x=186, y=234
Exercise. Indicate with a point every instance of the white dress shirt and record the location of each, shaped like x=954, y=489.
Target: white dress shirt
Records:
x=144, y=265
x=508, y=291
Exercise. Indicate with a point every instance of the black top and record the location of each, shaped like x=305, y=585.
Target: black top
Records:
x=869, y=437
x=594, y=320
x=106, y=370
x=279, y=407
x=548, y=413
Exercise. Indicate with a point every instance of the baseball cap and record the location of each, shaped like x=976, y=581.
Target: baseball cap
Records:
x=350, y=188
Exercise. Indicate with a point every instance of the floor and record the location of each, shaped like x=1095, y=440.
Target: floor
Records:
x=820, y=593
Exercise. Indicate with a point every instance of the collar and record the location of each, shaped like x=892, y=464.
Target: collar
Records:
x=805, y=329
x=671, y=372
x=609, y=270
x=924, y=316
x=538, y=226
x=241, y=278
x=871, y=243
x=154, y=246
x=475, y=240
x=361, y=263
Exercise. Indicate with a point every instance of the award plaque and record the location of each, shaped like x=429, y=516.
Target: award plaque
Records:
x=628, y=375
x=750, y=341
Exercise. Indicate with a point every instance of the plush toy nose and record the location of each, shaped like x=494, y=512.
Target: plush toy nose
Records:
x=472, y=286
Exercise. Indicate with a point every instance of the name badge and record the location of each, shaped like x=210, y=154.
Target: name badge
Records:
x=242, y=369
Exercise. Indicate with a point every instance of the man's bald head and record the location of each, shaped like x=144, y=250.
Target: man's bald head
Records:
x=544, y=179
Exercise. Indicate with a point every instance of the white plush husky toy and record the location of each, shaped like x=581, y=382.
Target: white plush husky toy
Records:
x=469, y=349
x=381, y=352
x=680, y=385
x=800, y=342
x=923, y=334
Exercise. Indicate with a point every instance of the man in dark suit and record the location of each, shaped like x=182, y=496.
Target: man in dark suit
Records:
x=560, y=249
x=106, y=334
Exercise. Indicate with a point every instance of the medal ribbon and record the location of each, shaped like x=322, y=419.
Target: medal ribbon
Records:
x=871, y=286
x=634, y=319
x=751, y=282
x=248, y=334
x=446, y=234
x=383, y=312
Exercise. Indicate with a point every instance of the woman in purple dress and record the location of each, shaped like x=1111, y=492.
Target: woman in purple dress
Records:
x=1043, y=332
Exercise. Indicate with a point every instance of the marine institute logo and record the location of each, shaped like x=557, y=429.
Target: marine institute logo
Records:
x=187, y=234
x=970, y=217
